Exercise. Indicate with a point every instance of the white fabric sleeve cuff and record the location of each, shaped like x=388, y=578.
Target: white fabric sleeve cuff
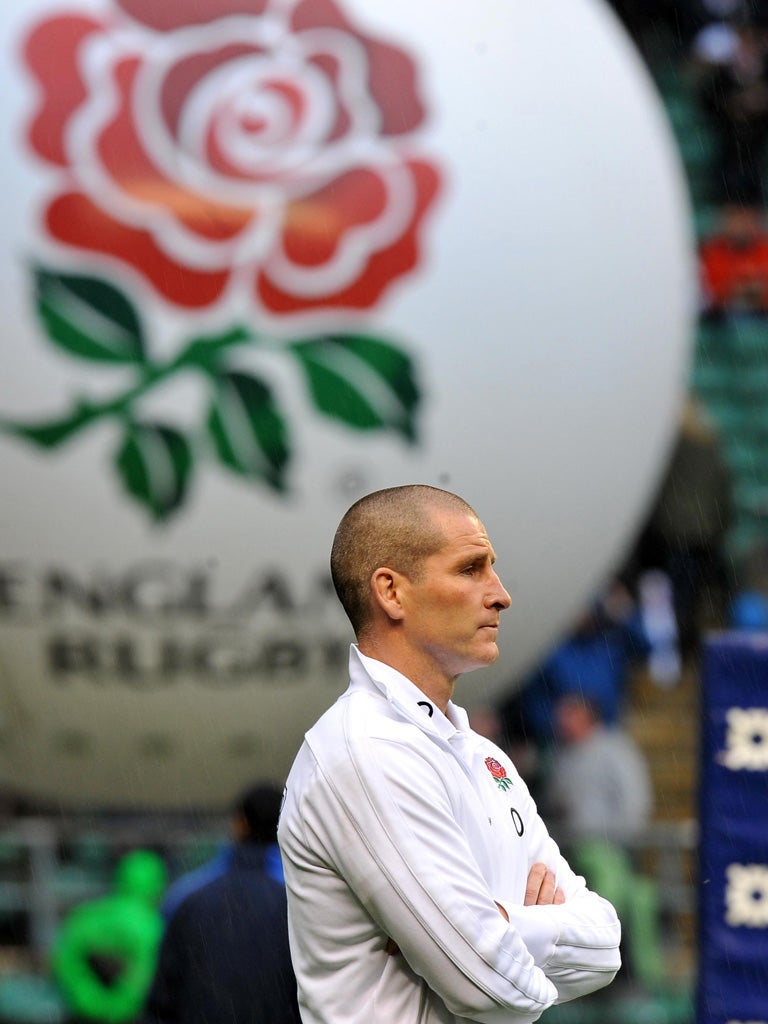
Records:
x=576, y=943
x=539, y=931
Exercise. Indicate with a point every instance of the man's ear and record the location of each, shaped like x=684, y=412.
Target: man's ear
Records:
x=386, y=590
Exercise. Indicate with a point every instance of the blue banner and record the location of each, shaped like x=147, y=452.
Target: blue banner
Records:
x=733, y=863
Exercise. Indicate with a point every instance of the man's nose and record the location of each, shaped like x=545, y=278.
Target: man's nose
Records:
x=500, y=598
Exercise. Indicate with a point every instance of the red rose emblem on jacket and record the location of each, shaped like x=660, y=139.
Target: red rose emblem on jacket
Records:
x=498, y=771
x=220, y=144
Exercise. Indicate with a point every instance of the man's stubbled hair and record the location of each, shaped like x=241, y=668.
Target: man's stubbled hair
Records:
x=393, y=527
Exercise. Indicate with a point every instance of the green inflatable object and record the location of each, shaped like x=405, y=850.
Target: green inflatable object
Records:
x=105, y=954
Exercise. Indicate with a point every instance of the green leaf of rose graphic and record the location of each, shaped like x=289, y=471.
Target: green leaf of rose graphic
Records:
x=155, y=464
x=363, y=382
x=366, y=383
x=89, y=318
x=248, y=431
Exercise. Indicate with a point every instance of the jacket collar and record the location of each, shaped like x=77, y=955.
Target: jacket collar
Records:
x=406, y=696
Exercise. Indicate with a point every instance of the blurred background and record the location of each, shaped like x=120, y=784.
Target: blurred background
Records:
x=617, y=704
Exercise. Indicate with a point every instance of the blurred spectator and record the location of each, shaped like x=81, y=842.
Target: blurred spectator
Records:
x=592, y=661
x=730, y=67
x=695, y=15
x=685, y=533
x=749, y=612
x=220, y=863
x=657, y=610
x=598, y=785
x=193, y=880
x=105, y=953
x=734, y=262
x=683, y=20
x=599, y=799
x=225, y=957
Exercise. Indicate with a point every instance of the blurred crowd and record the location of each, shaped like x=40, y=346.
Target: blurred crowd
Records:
x=211, y=947
x=709, y=59
x=719, y=49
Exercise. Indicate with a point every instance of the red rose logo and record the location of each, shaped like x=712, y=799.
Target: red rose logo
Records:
x=219, y=144
x=222, y=150
x=499, y=772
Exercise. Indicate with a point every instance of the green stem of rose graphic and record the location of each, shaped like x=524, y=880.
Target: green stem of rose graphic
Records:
x=366, y=383
x=203, y=354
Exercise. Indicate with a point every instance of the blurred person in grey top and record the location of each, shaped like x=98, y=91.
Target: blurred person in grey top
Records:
x=599, y=800
x=599, y=784
x=224, y=958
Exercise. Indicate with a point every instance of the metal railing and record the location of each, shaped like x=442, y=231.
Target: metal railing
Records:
x=48, y=865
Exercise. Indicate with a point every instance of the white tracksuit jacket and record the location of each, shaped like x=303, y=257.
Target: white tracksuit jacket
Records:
x=401, y=823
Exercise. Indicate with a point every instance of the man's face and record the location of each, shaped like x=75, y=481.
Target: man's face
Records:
x=452, y=612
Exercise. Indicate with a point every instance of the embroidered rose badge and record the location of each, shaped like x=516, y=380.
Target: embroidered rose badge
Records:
x=499, y=772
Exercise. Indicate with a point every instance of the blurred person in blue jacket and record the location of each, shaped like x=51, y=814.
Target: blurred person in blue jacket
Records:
x=220, y=863
x=225, y=957
x=592, y=661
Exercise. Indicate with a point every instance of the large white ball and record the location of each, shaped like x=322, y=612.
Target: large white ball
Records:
x=489, y=191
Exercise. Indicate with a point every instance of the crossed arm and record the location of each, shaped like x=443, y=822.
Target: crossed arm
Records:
x=539, y=891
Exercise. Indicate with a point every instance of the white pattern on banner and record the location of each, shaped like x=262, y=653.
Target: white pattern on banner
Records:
x=746, y=895
x=746, y=740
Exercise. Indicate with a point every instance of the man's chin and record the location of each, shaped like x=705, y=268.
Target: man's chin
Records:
x=483, y=659
x=491, y=650
x=494, y=655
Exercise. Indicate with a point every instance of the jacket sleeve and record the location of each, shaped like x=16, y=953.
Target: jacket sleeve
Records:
x=575, y=943
x=386, y=820
x=584, y=955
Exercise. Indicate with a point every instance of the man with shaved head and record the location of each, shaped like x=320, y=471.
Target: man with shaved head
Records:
x=390, y=527
x=423, y=887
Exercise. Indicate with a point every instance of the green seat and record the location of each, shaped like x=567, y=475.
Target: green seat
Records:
x=754, y=425
x=578, y=1012
x=712, y=381
x=658, y=1009
x=741, y=457
x=728, y=417
x=698, y=148
x=744, y=536
x=701, y=186
x=751, y=497
x=751, y=385
x=750, y=341
x=92, y=853
x=30, y=999
x=705, y=216
x=678, y=107
x=194, y=852
x=714, y=341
